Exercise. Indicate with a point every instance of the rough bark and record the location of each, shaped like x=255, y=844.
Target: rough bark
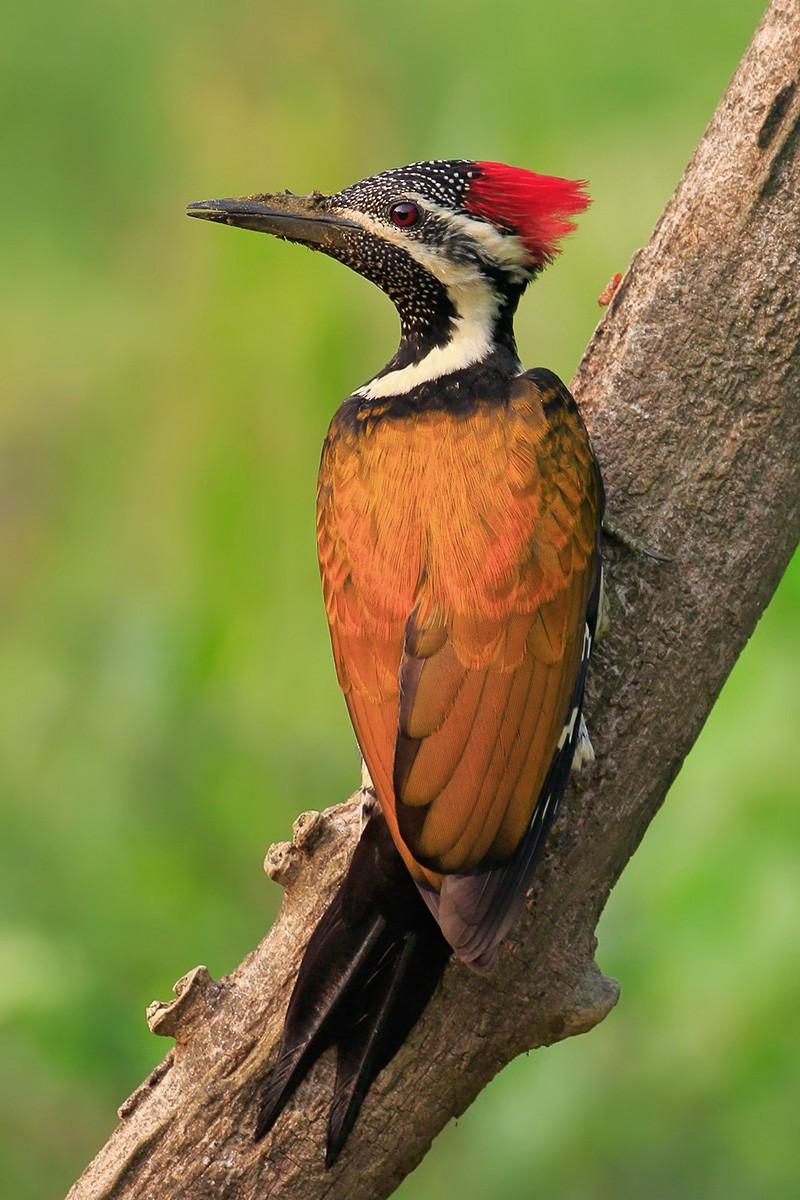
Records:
x=690, y=387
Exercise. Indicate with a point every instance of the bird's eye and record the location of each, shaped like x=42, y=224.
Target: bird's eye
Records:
x=405, y=215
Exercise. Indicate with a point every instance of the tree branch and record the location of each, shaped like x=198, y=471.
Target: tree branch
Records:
x=690, y=387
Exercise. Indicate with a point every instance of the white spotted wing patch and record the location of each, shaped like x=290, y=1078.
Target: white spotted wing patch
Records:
x=584, y=751
x=568, y=733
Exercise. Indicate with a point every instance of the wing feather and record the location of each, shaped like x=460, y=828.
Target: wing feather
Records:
x=462, y=817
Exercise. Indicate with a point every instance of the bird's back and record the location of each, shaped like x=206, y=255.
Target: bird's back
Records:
x=458, y=554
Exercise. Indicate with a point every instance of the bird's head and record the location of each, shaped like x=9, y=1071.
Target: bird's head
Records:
x=453, y=244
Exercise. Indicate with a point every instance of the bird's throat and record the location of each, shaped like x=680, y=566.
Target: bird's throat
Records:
x=476, y=324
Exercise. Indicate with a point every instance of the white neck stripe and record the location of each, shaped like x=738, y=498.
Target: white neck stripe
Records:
x=472, y=339
x=466, y=348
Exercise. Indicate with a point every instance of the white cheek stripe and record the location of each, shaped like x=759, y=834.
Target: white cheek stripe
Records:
x=446, y=271
x=504, y=250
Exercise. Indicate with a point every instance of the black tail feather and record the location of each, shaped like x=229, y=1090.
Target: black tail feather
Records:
x=368, y=972
x=359, y=1057
x=334, y=957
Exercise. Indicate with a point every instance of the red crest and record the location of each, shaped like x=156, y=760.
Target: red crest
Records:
x=535, y=207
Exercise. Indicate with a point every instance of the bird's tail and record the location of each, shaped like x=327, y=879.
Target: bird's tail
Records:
x=369, y=970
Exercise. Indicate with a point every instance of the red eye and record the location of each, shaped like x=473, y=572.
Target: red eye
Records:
x=404, y=215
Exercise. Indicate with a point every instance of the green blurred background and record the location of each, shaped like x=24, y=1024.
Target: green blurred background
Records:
x=168, y=699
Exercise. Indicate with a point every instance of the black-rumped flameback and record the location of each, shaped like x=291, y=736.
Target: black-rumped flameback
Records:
x=459, y=510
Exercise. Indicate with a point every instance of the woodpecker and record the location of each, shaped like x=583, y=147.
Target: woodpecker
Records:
x=459, y=512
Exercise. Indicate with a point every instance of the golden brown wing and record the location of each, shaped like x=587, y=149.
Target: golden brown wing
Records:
x=458, y=555
x=487, y=679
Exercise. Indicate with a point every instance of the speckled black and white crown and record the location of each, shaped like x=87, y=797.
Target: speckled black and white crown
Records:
x=443, y=181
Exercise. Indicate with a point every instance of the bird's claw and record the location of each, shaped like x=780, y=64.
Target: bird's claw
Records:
x=620, y=535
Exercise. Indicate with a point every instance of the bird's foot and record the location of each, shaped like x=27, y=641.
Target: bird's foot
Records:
x=612, y=530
